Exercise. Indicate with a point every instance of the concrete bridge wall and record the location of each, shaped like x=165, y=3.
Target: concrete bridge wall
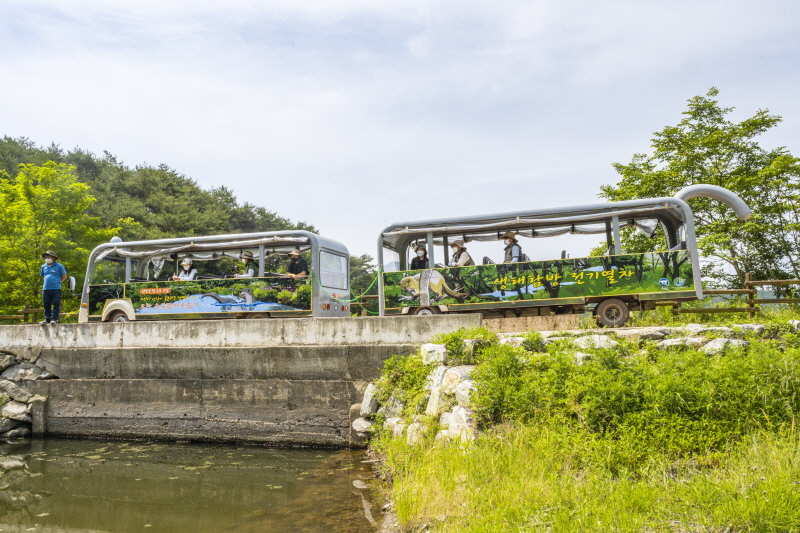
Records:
x=277, y=381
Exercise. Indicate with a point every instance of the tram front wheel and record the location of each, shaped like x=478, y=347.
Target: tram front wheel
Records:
x=426, y=311
x=118, y=316
x=612, y=313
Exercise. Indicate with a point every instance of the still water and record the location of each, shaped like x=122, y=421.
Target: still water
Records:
x=55, y=486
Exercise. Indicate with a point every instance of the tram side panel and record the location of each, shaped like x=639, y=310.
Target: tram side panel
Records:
x=649, y=276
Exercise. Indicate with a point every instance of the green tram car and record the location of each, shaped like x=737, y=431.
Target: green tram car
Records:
x=128, y=281
x=613, y=284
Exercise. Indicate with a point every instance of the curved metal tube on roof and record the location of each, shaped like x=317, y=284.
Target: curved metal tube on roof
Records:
x=725, y=196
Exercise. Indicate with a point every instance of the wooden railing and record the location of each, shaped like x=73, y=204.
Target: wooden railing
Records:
x=752, y=302
x=28, y=314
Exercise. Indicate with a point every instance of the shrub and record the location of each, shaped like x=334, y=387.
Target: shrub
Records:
x=405, y=378
x=455, y=340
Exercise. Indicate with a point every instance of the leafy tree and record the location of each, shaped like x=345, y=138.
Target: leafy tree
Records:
x=706, y=147
x=362, y=274
x=43, y=207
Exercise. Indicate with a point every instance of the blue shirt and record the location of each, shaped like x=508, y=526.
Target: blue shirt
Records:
x=52, y=275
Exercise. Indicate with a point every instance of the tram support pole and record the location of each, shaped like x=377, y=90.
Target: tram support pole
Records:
x=617, y=243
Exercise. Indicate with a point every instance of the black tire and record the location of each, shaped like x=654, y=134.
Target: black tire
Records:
x=426, y=311
x=612, y=313
x=118, y=316
x=257, y=315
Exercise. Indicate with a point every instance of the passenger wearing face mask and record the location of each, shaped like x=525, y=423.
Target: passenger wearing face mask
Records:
x=513, y=250
x=420, y=262
x=187, y=273
x=460, y=255
x=53, y=275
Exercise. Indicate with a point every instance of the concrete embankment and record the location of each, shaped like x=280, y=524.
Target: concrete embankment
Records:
x=283, y=381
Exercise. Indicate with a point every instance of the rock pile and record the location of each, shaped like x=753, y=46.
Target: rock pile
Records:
x=449, y=404
x=17, y=402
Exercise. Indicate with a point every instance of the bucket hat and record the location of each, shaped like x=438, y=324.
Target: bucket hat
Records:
x=296, y=251
x=457, y=242
x=51, y=253
x=509, y=235
x=247, y=254
x=186, y=261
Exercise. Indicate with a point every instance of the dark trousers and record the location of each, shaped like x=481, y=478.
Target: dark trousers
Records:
x=51, y=298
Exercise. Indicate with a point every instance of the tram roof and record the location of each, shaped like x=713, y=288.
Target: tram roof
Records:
x=549, y=222
x=203, y=247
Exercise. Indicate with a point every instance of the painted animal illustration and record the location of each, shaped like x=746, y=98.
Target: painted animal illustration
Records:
x=247, y=295
x=437, y=284
x=225, y=302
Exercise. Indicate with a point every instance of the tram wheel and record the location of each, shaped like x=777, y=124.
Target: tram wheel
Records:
x=118, y=316
x=257, y=315
x=426, y=311
x=612, y=313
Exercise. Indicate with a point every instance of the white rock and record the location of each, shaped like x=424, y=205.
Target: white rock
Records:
x=13, y=391
x=369, y=405
x=7, y=359
x=718, y=345
x=435, y=378
x=396, y=425
x=462, y=425
x=795, y=325
x=700, y=329
x=691, y=342
x=454, y=376
x=642, y=334
x=758, y=329
x=434, y=402
x=443, y=436
x=433, y=353
x=22, y=372
x=464, y=392
x=594, y=341
x=512, y=341
x=363, y=427
x=415, y=433
x=581, y=357
x=16, y=411
x=392, y=408
x=444, y=419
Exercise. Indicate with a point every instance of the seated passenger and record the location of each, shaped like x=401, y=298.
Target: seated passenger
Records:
x=513, y=249
x=248, y=270
x=420, y=262
x=297, y=265
x=188, y=272
x=460, y=255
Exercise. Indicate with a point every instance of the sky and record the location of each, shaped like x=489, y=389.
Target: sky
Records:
x=355, y=114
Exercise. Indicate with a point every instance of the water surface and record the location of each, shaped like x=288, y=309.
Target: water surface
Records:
x=95, y=486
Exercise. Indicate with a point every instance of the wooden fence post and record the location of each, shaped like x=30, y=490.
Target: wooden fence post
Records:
x=751, y=310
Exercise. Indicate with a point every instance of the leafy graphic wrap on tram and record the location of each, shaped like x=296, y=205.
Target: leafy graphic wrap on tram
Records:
x=540, y=280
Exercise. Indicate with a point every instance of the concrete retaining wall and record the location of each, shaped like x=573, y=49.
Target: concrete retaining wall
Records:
x=277, y=381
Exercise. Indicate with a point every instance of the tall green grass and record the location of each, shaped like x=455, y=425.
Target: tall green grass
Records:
x=634, y=439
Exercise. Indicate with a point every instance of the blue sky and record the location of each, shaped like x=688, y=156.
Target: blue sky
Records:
x=352, y=115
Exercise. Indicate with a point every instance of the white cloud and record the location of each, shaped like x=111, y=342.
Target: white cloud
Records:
x=350, y=115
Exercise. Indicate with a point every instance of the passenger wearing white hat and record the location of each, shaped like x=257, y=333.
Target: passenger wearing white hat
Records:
x=460, y=255
x=187, y=273
x=297, y=265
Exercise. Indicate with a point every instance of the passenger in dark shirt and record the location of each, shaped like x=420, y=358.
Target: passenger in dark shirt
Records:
x=420, y=261
x=297, y=265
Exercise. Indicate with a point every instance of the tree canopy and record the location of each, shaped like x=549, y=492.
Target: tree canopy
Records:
x=43, y=207
x=706, y=147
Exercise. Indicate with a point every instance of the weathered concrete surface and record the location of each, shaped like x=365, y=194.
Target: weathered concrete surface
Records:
x=232, y=333
x=289, y=381
x=536, y=323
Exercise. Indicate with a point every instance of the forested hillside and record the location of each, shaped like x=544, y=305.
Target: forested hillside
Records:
x=147, y=202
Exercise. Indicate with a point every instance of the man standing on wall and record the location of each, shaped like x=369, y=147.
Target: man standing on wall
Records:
x=53, y=274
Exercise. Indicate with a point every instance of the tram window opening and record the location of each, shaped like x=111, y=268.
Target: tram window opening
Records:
x=333, y=270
